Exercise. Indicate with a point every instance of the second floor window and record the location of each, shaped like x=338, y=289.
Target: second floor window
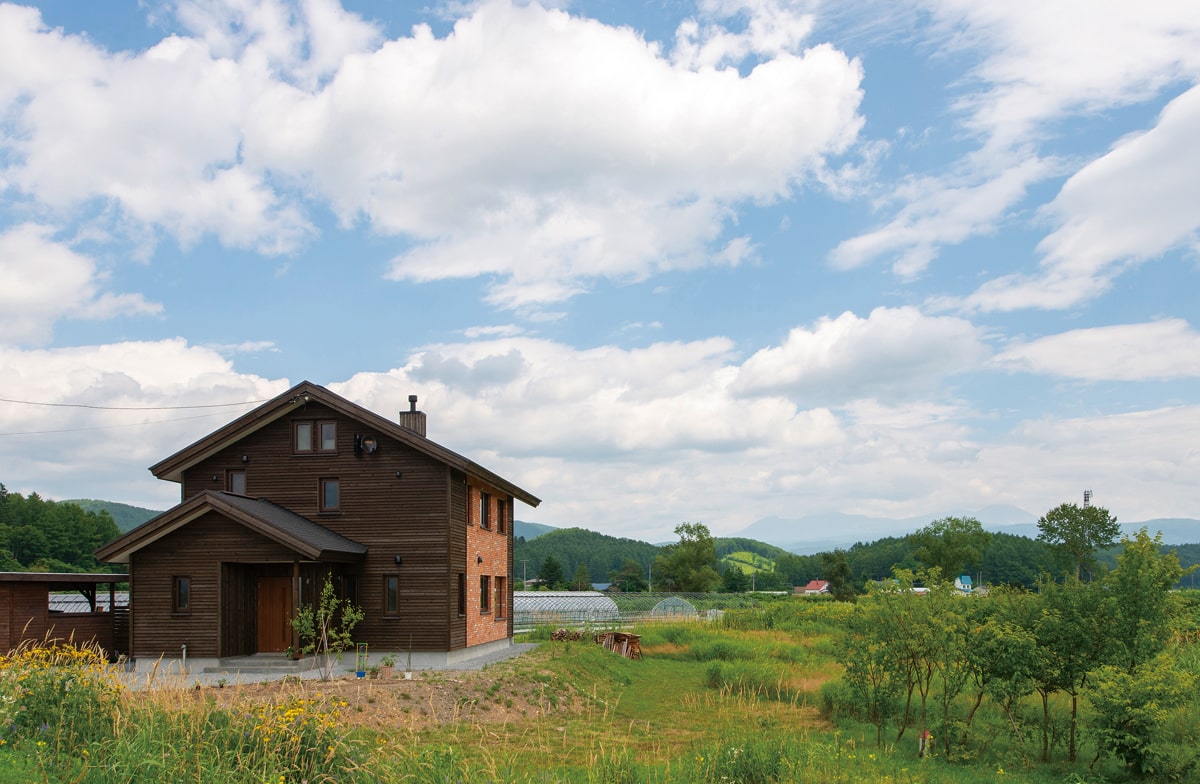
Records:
x=485, y=504
x=235, y=482
x=330, y=494
x=501, y=516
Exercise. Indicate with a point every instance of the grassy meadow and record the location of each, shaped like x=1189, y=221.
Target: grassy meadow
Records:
x=740, y=700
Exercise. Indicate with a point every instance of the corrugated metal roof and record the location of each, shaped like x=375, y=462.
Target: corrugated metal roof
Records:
x=77, y=603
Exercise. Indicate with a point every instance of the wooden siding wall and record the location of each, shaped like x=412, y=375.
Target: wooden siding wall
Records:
x=406, y=515
x=6, y=618
x=25, y=616
x=457, y=562
x=197, y=550
x=27, y=606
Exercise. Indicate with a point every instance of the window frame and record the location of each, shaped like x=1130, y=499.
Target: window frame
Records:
x=500, y=604
x=485, y=510
x=391, y=595
x=322, y=485
x=184, y=582
x=485, y=594
x=314, y=441
x=501, y=516
x=319, y=432
x=462, y=594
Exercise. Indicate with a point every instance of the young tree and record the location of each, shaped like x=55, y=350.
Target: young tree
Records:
x=582, y=581
x=836, y=570
x=1003, y=653
x=691, y=563
x=1078, y=531
x=950, y=544
x=326, y=629
x=630, y=578
x=1074, y=634
x=1131, y=708
x=734, y=580
x=871, y=669
x=551, y=573
x=1145, y=608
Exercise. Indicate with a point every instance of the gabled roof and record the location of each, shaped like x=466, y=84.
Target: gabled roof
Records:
x=172, y=468
x=817, y=585
x=313, y=541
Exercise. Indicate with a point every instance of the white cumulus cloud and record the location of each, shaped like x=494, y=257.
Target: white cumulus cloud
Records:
x=1158, y=350
x=45, y=281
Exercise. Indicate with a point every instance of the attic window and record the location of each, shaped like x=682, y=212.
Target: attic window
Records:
x=311, y=437
x=303, y=437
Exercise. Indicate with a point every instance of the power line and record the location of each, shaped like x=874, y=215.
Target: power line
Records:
x=129, y=408
x=108, y=427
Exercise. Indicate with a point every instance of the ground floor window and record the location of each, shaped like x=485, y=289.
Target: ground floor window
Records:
x=181, y=594
x=391, y=594
x=485, y=594
x=501, y=597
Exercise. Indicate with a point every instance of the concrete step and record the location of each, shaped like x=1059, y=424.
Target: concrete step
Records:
x=261, y=664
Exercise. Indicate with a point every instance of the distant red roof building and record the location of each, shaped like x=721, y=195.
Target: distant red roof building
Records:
x=813, y=587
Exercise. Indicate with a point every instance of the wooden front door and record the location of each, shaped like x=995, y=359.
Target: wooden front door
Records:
x=274, y=614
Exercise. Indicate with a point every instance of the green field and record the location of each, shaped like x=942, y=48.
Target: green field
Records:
x=757, y=697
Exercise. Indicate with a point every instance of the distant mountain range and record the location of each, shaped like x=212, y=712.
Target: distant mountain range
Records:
x=802, y=535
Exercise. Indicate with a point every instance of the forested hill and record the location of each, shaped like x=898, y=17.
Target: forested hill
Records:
x=530, y=530
x=735, y=544
x=125, y=516
x=573, y=546
x=37, y=535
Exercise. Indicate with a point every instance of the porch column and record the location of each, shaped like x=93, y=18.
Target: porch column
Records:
x=295, y=606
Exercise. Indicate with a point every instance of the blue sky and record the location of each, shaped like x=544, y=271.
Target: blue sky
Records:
x=687, y=261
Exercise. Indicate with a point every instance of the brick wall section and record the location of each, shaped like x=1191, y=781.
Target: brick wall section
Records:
x=495, y=549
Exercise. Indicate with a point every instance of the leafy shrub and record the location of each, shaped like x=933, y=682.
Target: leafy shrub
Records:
x=1130, y=710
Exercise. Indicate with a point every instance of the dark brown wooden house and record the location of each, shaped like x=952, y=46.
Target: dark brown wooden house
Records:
x=310, y=485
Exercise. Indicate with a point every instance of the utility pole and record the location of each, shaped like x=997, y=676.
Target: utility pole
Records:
x=650, y=578
x=524, y=575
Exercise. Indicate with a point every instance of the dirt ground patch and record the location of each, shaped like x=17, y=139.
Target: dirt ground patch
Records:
x=496, y=695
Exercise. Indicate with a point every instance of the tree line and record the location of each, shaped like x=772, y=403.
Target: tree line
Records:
x=37, y=535
x=1071, y=539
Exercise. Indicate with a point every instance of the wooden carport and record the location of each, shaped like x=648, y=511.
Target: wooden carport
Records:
x=25, y=614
